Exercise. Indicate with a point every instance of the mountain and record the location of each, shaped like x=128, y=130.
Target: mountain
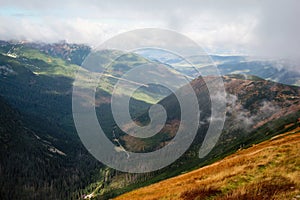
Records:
x=71, y=53
x=275, y=70
x=257, y=110
x=38, y=87
x=251, y=103
x=37, y=125
x=46, y=158
x=268, y=170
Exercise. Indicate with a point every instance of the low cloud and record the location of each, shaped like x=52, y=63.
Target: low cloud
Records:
x=244, y=118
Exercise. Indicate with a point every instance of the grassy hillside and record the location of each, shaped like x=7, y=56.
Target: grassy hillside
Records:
x=269, y=170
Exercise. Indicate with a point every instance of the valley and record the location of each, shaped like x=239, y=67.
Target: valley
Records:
x=42, y=156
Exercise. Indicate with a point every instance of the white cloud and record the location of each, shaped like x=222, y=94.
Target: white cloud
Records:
x=50, y=29
x=267, y=27
x=277, y=32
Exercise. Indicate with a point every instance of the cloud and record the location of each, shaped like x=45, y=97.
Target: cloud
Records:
x=201, y=19
x=268, y=108
x=278, y=29
x=244, y=118
x=261, y=28
x=50, y=29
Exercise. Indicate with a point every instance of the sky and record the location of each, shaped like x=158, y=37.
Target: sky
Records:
x=252, y=27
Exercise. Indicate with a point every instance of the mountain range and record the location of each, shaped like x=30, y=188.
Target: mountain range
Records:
x=42, y=156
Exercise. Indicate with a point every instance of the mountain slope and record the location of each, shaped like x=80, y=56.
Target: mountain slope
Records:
x=256, y=111
x=36, y=89
x=51, y=163
x=251, y=103
x=269, y=170
x=26, y=160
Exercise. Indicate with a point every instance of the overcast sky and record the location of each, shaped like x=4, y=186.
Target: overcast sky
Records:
x=253, y=27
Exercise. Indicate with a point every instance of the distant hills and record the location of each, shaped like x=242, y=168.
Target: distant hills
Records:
x=274, y=70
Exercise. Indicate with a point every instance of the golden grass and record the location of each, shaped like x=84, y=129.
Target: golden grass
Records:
x=269, y=170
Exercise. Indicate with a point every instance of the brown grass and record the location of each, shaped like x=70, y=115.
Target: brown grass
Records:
x=269, y=170
x=263, y=190
x=199, y=193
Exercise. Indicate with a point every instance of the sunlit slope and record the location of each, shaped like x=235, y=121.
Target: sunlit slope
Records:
x=111, y=66
x=269, y=170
